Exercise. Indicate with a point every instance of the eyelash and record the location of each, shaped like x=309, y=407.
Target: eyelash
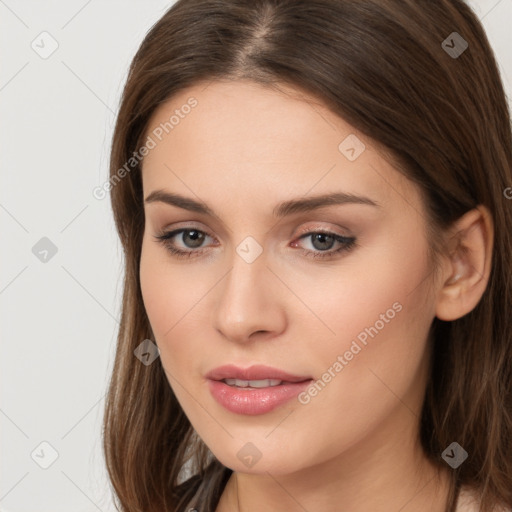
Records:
x=348, y=243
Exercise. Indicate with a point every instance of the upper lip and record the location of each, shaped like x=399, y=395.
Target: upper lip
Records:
x=256, y=372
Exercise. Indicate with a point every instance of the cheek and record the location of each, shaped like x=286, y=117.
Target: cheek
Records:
x=157, y=296
x=367, y=290
x=167, y=291
x=380, y=315
x=173, y=301
x=377, y=299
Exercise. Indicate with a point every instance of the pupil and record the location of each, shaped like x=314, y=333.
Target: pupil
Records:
x=197, y=238
x=321, y=237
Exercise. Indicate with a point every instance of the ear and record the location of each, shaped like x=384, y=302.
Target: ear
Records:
x=468, y=266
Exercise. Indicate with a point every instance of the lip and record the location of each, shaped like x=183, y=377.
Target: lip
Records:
x=255, y=372
x=253, y=401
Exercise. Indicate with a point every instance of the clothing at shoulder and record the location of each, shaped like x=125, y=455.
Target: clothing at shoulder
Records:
x=469, y=501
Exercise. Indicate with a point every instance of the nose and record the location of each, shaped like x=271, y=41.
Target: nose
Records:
x=251, y=302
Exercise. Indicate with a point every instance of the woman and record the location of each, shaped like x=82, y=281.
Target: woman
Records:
x=313, y=199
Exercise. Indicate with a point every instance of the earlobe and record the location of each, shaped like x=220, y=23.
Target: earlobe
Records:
x=468, y=266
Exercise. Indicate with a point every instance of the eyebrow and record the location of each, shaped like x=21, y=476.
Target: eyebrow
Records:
x=283, y=209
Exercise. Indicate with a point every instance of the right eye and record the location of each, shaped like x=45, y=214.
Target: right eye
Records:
x=191, y=237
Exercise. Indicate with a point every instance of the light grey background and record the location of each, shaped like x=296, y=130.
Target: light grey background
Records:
x=60, y=316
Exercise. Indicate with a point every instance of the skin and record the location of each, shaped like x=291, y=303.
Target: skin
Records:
x=242, y=150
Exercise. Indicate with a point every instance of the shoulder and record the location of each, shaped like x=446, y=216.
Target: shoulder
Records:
x=469, y=501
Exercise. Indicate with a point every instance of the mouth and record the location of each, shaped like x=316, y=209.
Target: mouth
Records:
x=255, y=390
x=257, y=384
x=254, y=376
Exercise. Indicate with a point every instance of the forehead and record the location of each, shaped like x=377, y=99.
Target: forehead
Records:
x=260, y=122
x=266, y=142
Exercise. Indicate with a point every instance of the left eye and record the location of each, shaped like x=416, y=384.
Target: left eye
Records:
x=322, y=242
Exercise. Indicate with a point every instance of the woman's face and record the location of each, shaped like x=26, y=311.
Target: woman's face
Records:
x=259, y=284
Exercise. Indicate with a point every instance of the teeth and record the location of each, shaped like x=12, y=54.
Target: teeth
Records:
x=265, y=383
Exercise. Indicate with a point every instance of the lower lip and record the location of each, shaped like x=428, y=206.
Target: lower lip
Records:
x=252, y=401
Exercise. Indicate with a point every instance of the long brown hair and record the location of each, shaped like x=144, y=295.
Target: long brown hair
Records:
x=393, y=70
